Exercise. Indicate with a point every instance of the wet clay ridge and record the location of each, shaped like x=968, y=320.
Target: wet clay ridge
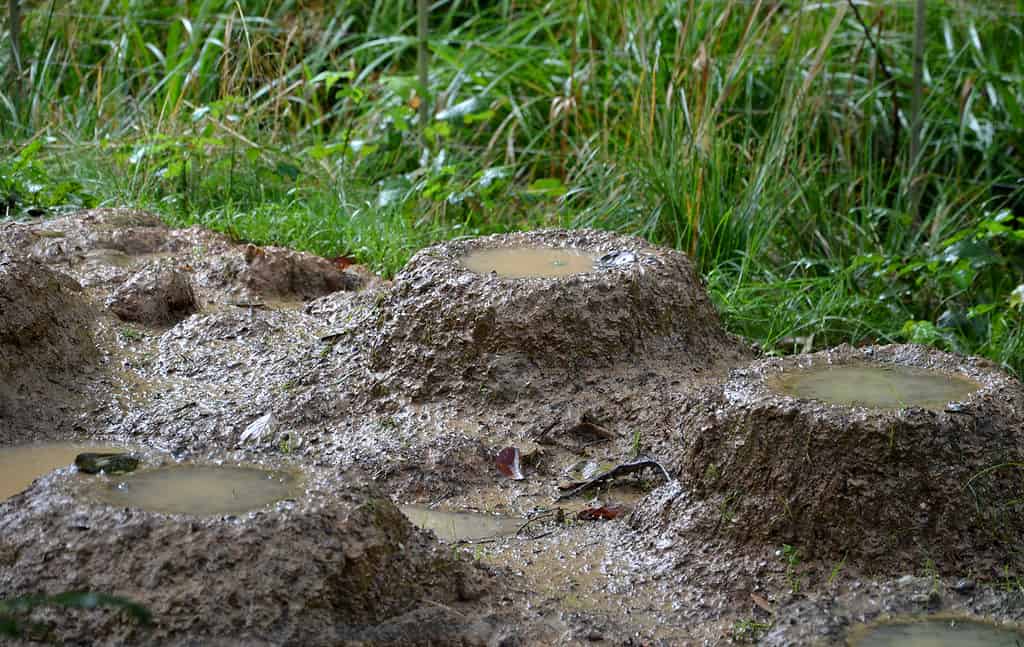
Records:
x=411, y=389
x=328, y=566
x=442, y=327
x=47, y=347
x=148, y=273
x=884, y=488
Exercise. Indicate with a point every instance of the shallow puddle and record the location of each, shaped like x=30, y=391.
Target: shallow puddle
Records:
x=21, y=465
x=529, y=262
x=200, y=489
x=461, y=526
x=881, y=386
x=937, y=633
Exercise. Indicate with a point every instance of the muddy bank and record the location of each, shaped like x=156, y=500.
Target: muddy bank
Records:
x=47, y=349
x=410, y=390
x=328, y=565
x=445, y=328
x=883, y=488
x=116, y=252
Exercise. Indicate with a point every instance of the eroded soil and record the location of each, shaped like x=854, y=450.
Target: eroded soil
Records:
x=197, y=348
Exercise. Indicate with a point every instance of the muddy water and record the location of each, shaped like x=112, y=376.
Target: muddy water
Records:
x=529, y=262
x=461, y=526
x=881, y=386
x=21, y=465
x=937, y=633
x=200, y=489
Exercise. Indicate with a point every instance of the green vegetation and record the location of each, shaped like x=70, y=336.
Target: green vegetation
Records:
x=15, y=611
x=769, y=140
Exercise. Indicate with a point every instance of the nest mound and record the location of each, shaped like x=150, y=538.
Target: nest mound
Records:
x=890, y=488
x=323, y=569
x=444, y=327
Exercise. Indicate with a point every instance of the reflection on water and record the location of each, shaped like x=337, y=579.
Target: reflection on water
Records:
x=881, y=386
x=528, y=262
x=939, y=633
x=200, y=489
x=21, y=465
x=461, y=526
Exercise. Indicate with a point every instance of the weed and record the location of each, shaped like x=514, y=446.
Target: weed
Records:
x=749, y=631
x=129, y=334
x=836, y=570
x=791, y=556
x=759, y=140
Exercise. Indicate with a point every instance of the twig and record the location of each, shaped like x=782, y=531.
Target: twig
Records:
x=638, y=464
x=894, y=145
x=557, y=514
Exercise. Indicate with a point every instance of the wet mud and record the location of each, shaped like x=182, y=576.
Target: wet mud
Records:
x=403, y=393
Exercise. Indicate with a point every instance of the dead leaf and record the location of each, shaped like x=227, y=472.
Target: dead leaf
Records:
x=342, y=262
x=508, y=463
x=603, y=513
x=762, y=602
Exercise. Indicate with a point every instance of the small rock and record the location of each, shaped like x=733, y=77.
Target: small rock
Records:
x=92, y=463
x=964, y=586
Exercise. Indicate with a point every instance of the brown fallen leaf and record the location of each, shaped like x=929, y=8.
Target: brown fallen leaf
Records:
x=603, y=513
x=762, y=602
x=508, y=463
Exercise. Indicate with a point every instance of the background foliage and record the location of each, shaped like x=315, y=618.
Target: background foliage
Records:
x=769, y=140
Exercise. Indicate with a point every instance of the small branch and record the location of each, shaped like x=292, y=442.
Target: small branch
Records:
x=894, y=145
x=422, y=65
x=14, y=28
x=915, y=110
x=637, y=465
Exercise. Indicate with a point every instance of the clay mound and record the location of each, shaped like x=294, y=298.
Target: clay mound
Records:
x=104, y=248
x=158, y=294
x=317, y=571
x=442, y=327
x=46, y=342
x=887, y=488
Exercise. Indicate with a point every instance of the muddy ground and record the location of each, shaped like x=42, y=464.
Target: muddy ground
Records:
x=193, y=347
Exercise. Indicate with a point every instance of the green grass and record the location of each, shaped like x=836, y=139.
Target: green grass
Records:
x=759, y=137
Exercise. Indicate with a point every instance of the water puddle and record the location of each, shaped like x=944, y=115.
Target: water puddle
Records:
x=21, y=465
x=200, y=489
x=937, y=633
x=461, y=526
x=529, y=262
x=880, y=386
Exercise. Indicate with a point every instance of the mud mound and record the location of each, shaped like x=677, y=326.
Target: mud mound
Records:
x=46, y=342
x=158, y=294
x=104, y=248
x=316, y=571
x=886, y=488
x=444, y=327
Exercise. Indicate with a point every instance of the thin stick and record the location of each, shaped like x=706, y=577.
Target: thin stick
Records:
x=422, y=64
x=896, y=127
x=638, y=464
x=14, y=25
x=915, y=109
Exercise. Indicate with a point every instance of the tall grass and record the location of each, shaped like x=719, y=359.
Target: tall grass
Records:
x=769, y=140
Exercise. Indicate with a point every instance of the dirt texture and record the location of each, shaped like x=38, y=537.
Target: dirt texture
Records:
x=885, y=488
x=324, y=568
x=157, y=295
x=442, y=328
x=46, y=346
x=828, y=618
x=103, y=248
x=410, y=389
